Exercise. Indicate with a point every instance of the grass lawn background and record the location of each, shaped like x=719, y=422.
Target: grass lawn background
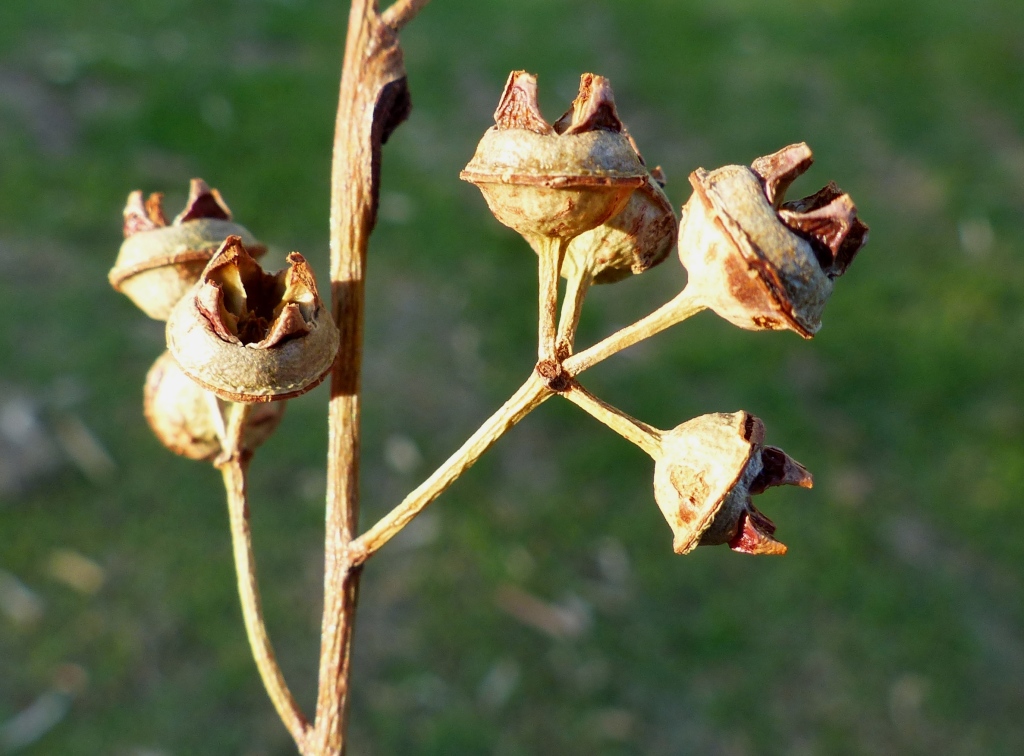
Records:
x=894, y=625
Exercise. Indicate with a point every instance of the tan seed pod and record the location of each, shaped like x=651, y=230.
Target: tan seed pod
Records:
x=705, y=472
x=759, y=262
x=555, y=181
x=160, y=261
x=637, y=238
x=704, y=475
x=184, y=416
x=250, y=336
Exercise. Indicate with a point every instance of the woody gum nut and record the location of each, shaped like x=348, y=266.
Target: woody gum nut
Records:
x=704, y=477
x=555, y=181
x=159, y=262
x=249, y=336
x=181, y=414
x=757, y=261
x=636, y=239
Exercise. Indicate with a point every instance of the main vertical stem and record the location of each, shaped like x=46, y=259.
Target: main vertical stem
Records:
x=349, y=238
x=372, y=101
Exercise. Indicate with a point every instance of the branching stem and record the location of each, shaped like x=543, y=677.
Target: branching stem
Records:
x=685, y=304
x=529, y=396
x=402, y=12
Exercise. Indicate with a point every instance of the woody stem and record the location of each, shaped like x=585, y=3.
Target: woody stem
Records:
x=402, y=12
x=372, y=101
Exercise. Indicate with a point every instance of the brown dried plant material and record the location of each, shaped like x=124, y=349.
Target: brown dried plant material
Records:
x=250, y=336
x=637, y=238
x=160, y=261
x=704, y=475
x=187, y=419
x=555, y=181
x=758, y=261
x=705, y=472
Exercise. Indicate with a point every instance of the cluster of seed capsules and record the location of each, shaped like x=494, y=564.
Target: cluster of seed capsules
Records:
x=579, y=192
x=234, y=332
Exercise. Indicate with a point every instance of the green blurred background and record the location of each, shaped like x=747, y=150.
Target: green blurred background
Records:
x=894, y=625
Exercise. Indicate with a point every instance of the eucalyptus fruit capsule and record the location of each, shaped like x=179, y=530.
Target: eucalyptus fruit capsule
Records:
x=705, y=473
x=189, y=420
x=758, y=261
x=160, y=261
x=251, y=336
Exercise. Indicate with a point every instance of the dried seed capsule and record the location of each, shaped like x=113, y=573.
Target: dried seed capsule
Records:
x=637, y=238
x=250, y=336
x=552, y=183
x=704, y=475
x=759, y=262
x=187, y=418
x=555, y=181
x=159, y=262
x=705, y=472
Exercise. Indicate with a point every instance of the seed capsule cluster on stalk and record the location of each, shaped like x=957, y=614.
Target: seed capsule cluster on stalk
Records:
x=234, y=332
x=580, y=194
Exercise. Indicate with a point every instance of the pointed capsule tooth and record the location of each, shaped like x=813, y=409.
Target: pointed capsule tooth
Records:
x=856, y=238
x=819, y=199
x=749, y=541
x=136, y=218
x=755, y=535
x=779, y=469
x=659, y=176
x=593, y=108
x=300, y=285
x=231, y=249
x=288, y=322
x=781, y=168
x=134, y=203
x=209, y=301
x=518, y=107
x=203, y=202
x=155, y=208
x=829, y=225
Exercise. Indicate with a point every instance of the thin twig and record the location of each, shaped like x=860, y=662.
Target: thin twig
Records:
x=402, y=12
x=572, y=307
x=685, y=304
x=643, y=435
x=529, y=396
x=234, y=465
x=524, y=401
x=551, y=252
